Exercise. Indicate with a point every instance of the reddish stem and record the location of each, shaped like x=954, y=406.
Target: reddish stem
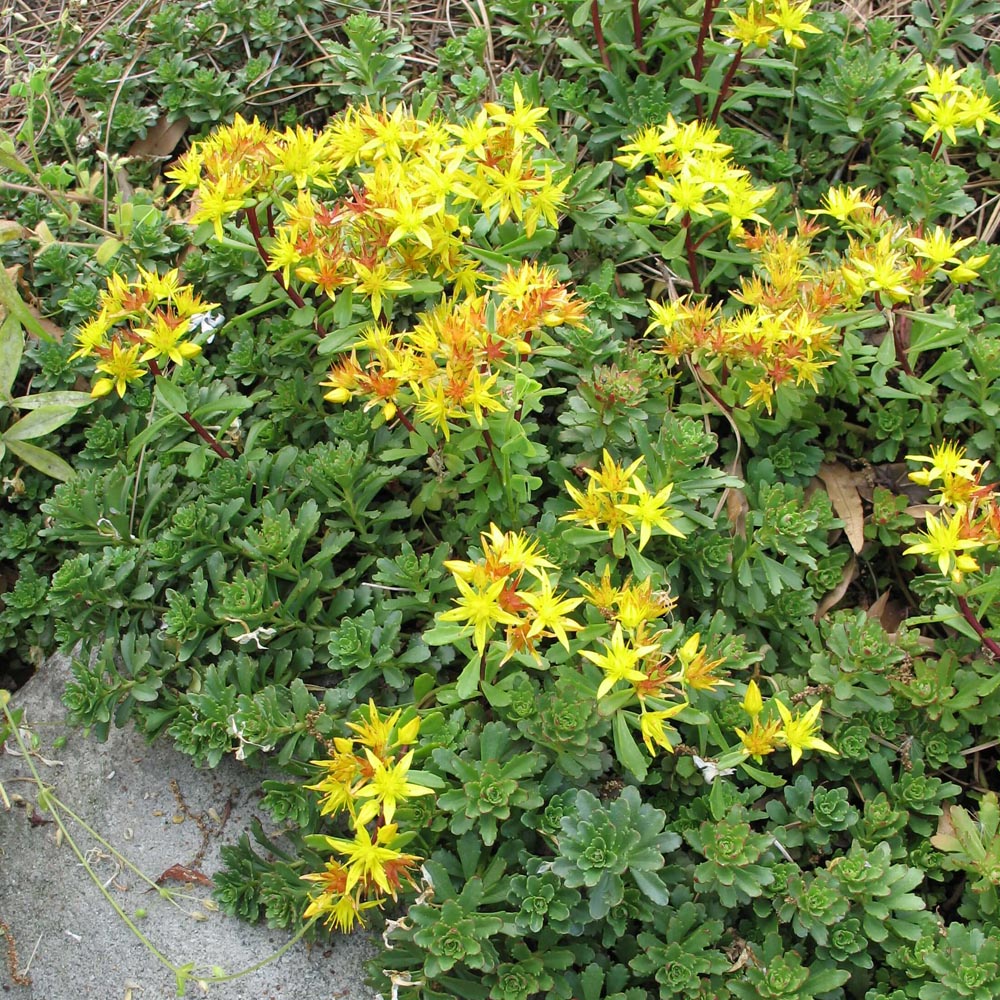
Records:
x=602, y=46
x=970, y=617
x=254, y=224
x=709, y=232
x=726, y=83
x=405, y=420
x=901, y=339
x=708, y=390
x=698, y=65
x=637, y=34
x=491, y=447
x=195, y=425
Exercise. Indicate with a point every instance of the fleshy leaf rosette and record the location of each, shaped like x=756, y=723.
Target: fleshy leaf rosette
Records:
x=599, y=844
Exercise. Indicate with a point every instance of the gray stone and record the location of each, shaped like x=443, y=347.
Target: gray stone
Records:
x=152, y=805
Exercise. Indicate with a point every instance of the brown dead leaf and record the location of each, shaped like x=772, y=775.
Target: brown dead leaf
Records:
x=842, y=486
x=181, y=873
x=921, y=510
x=161, y=140
x=944, y=839
x=736, y=502
x=888, y=613
x=835, y=595
x=55, y=331
x=739, y=955
x=878, y=606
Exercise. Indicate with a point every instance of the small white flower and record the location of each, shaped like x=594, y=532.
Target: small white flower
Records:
x=207, y=323
x=709, y=771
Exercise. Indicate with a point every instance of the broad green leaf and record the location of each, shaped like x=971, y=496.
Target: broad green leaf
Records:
x=172, y=396
x=11, y=349
x=651, y=885
x=445, y=633
x=65, y=397
x=468, y=680
x=146, y=690
x=145, y=436
x=422, y=686
x=763, y=777
x=826, y=980
x=626, y=749
x=39, y=422
x=107, y=249
x=217, y=407
x=497, y=696
x=303, y=316
x=9, y=158
x=340, y=338
x=12, y=302
x=428, y=778
x=42, y=459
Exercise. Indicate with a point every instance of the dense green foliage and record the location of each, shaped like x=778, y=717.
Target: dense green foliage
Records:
x=561, y=500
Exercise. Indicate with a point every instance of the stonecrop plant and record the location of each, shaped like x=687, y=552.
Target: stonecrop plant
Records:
x=572, y=467
x=368, y=787
x=141, y=323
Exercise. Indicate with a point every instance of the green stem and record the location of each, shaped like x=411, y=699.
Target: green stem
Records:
x=692, y=255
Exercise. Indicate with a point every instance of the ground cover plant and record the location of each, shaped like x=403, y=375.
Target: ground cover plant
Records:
x=562, y=444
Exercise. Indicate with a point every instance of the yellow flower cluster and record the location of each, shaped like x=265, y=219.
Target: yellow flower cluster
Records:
x=969, y=517
x=888, y=258
x=795, y=732
x=617, y=500
x=148, y=320
x=764, y=21
x=695, y=177
x=447, y=367
x=634, y=665
x=366, y=777
x=510, y=584
x=377, y=200
x=513, y=584
x=947, y=104
x=781, y=336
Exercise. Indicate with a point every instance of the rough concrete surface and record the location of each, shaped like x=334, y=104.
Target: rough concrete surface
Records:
x=158, y=810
